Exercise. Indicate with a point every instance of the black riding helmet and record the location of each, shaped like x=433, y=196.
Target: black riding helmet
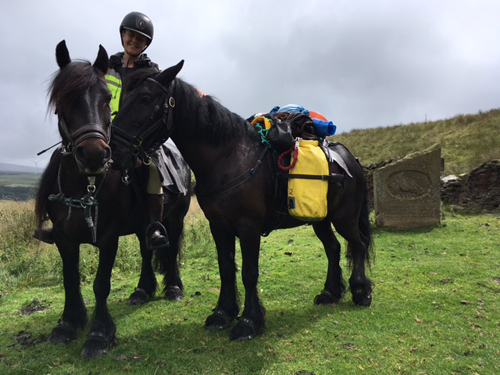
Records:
x=140, y=23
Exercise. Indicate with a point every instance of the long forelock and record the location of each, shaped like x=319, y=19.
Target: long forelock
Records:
x=71, y=82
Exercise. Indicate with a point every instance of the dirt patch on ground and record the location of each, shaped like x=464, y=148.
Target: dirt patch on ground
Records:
x=24, y=340
x=32, y=307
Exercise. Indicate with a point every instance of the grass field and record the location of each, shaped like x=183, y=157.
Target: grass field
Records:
x=19, y=179
x=436, y=307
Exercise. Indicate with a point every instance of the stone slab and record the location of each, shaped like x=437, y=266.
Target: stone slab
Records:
x=407, y=192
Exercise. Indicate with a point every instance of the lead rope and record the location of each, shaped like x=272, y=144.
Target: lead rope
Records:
x=295, y=155
x=87, y=202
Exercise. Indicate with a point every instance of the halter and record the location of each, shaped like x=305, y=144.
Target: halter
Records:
x=157, y=120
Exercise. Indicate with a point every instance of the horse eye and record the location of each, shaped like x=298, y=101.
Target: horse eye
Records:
x=146, y=99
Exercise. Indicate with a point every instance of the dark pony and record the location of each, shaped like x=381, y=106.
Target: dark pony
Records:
x=89, y=202
x=243, y=194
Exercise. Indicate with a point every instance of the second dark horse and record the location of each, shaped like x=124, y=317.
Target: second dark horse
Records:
x=235, y=186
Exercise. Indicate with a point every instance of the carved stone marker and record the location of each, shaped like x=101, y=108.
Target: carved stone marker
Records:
x=407, y=192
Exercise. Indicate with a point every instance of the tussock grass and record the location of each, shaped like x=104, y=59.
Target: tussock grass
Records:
x=466, y=141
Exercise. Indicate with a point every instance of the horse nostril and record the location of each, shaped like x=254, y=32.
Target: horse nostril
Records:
x=80, y=153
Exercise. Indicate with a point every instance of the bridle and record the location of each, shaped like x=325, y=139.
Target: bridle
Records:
x=160, y=119
x=70, y=143
x=72, y=140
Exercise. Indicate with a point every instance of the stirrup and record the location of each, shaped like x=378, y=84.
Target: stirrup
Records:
x=153, y=227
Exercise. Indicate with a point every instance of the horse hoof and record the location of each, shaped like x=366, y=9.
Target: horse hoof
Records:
x=218, y=321
x=139, y=297
x=244, y=330
x=97, y=344
x=361, y=298
x=64, y=332
x=325, y=298
x=173, y=293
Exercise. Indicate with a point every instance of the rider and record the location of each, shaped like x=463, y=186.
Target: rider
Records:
x=136, y=33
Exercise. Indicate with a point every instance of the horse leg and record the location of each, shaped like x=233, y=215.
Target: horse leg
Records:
x=74, y=315
x=102, y=332
x=252, y=321
x=176, y=207
x=334, y=285
x=146, y=287
x=167, y=259
x=357, y=253
x=227, y=308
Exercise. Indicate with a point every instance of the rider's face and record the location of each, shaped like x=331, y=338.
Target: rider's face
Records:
x=134, y=43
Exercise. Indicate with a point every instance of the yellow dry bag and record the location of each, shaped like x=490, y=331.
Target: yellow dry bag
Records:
x=307, y=187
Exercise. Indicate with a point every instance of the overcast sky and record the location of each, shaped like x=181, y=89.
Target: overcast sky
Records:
x=362, y=64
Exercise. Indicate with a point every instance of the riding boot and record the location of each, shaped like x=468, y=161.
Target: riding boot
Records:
x=45, y=235
x=156, y=234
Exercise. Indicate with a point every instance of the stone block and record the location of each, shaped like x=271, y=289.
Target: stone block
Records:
x=407, y=192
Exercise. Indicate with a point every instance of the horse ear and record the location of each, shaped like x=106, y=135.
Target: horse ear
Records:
x=101, y=62
x=169, y=74
x=62, y=54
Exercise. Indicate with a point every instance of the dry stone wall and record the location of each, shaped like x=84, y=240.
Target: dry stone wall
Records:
x=477, y=191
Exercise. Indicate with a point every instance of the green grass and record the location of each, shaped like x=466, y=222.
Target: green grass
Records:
x=19, y=179
x=467, y=141
x=436, y=309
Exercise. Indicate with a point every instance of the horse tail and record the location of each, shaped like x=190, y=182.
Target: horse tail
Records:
x=44, y=188
x=366, y=229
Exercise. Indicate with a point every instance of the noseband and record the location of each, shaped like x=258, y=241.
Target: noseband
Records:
x=87, y=131
x=156, y=121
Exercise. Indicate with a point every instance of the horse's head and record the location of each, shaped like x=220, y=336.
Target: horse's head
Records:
x=80, y=97
x=145, y=117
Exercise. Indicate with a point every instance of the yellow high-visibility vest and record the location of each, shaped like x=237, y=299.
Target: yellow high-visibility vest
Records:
x=114, y=82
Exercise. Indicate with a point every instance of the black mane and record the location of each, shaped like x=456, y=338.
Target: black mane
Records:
x=204, y=118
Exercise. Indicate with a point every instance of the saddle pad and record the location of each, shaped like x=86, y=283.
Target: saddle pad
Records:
x=174, y=171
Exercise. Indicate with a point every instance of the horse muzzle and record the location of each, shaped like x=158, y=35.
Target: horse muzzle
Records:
x=92, y=156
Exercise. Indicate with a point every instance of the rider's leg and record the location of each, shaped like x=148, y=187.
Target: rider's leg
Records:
x=155, y=207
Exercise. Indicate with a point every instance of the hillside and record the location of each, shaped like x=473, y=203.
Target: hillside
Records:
x=15, y=168
x=466, y=141
x=18, y=182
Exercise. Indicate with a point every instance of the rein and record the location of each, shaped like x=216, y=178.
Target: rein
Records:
x=154, y=124
x=236, y=182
